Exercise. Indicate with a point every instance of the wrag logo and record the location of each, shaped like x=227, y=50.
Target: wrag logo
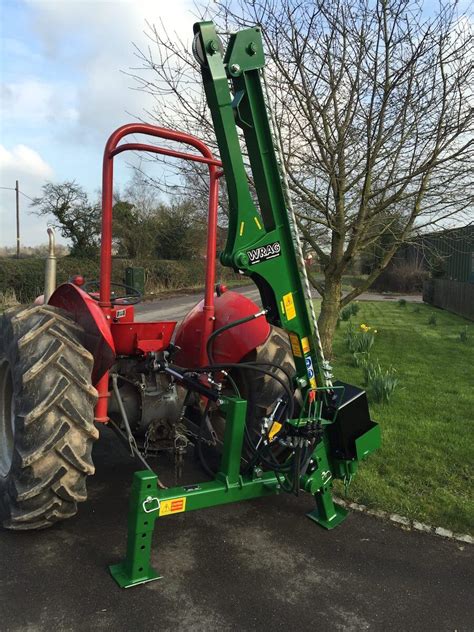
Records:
x=257, y=255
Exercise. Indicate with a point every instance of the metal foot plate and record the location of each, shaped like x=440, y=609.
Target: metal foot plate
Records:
x=124, y=580
x=331, y=521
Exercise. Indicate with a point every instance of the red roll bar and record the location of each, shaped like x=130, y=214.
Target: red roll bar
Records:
x=113, y=148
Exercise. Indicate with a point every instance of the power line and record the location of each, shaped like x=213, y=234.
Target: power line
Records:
x=21, y=192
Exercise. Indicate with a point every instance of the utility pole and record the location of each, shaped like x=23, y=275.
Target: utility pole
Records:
x=17, y=191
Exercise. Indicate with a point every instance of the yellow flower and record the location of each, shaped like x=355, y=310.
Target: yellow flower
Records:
x=375, y=331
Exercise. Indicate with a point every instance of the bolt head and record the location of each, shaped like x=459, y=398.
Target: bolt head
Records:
x=235, y=68
x=241, y=259
x=252, y=48
x=213, y=47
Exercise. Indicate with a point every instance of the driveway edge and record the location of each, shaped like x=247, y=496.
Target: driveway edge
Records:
x=406, y=523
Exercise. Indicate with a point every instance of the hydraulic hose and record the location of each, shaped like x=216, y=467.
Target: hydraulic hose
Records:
x=235, y=323
x=205, y=465
x=270, y=462
x=253, y=366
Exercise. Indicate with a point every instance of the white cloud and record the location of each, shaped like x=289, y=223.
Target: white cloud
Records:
x=33, y=102
x=24, y=164
x=66, y=91
x=95, y=40
x=23, y=160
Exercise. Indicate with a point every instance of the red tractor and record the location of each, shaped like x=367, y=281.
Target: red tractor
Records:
x=78, y=360
x=245, y=383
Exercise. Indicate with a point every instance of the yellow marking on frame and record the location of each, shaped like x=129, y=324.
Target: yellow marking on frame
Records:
x=276, y=427
x=242, y=224
x=305, y=345
x=289, y=306
x=175, y=505
x=295, y=346
x=282, y=306
x=258, y=223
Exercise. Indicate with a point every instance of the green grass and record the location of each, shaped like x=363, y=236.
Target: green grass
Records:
x=424, y=469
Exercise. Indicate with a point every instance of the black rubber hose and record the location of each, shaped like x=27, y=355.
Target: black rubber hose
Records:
x=253, y=367
x=202, y=459
x=190, y=383
x=217, y=332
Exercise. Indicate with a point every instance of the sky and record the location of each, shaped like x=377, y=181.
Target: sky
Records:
x=64, y=90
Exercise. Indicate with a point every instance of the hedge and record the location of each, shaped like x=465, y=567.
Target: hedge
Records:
x=26, y=276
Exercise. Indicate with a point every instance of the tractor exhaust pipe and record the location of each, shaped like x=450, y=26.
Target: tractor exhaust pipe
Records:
x=50, y=269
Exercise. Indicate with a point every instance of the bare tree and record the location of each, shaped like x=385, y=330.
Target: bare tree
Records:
x=374, y=104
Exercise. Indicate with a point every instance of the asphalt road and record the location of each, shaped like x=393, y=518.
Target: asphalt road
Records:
x=176, y=307
x=258, y=565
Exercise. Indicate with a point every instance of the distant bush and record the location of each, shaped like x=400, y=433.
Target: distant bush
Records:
x=25, y=277
x=355, y=307
x=350, y=310
x=346, y=313
x=401, y=277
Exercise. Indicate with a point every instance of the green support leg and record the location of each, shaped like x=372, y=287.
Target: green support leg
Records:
x=235, y=411
x=327, y=514
x=147, y=502
x=319, y=483
x=136, y=568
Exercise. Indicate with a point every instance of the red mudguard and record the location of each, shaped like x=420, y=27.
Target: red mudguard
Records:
x=87, y=313
x=233, y=344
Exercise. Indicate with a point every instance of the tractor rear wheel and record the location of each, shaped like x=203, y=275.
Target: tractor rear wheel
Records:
x=46, y=417
x=260, y=390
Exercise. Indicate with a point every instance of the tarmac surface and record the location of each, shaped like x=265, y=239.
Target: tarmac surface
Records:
x=257, y=565
x=176, y=307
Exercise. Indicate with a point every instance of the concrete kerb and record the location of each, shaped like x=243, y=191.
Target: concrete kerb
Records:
x=406, y=523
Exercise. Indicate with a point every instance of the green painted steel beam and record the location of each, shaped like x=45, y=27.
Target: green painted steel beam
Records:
x=259, y=242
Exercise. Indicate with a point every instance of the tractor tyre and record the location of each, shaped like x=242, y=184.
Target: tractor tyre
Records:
x=46, y=417
x=261, y=391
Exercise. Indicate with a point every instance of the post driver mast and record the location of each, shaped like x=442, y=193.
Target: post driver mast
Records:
x=326, y=429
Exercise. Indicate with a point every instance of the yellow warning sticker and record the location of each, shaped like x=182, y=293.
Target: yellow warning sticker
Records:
x=305, y=345
x=312, y=382
x=175, y=505
x=295, y=346
x=276, y=427
x=289, y=306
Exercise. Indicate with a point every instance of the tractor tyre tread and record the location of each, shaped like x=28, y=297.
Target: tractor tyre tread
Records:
x=260, y=390
x=54, y=417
